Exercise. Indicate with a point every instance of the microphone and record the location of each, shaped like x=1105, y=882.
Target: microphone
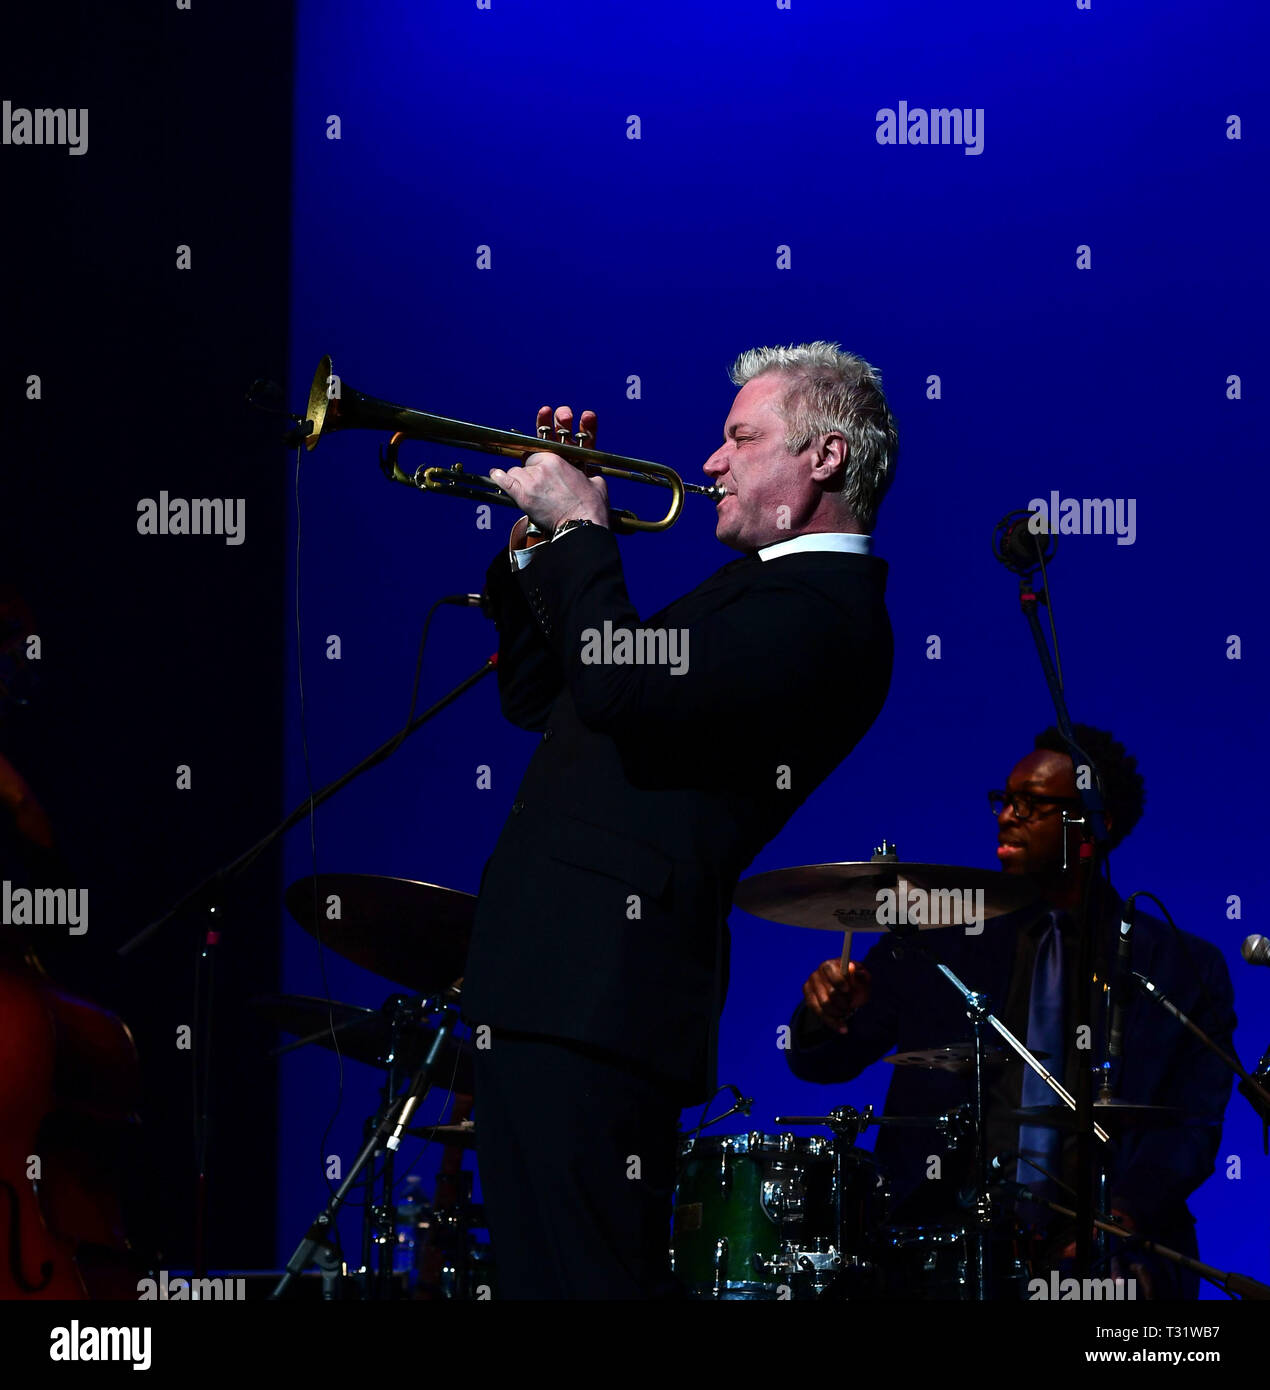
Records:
x=997, y=1178
x=1123, y=952
x=743, y=1103
x=1016, y=545
x=1256, y=950
x=480, y=601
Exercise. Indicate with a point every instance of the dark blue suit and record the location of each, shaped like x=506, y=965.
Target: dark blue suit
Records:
x=1153, y=1171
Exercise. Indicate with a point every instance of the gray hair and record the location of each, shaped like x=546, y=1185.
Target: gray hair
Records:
x=834, y=392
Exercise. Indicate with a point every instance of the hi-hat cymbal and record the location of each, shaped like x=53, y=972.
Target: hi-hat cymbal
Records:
x=852, y=896
x=958, y=1057
x=414, y=934
x=366, y=1036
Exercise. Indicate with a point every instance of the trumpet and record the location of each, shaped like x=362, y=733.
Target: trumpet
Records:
x=334, y=406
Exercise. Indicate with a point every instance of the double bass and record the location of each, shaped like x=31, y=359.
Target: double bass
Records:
x=69, y=1076
x=69, y=1092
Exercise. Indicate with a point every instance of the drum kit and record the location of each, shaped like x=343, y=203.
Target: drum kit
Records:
x=756, y=1215
x=788, y=1216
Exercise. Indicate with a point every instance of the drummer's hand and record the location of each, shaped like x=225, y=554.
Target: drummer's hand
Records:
x=833, y=995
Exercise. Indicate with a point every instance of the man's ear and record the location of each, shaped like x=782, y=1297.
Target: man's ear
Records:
x=831, y=461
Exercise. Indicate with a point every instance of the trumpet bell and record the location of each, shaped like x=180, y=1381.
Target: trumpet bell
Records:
x=320, y=403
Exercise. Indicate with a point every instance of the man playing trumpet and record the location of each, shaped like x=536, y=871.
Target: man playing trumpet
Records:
x=599, y=956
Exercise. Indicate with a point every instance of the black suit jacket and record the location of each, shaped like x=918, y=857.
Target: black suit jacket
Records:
x=911, y=1007
x=602, y=911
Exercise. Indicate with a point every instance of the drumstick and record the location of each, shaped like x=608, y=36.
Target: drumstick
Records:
x=846, y=952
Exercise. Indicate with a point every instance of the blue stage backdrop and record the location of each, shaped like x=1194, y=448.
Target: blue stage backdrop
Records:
x=499, y=206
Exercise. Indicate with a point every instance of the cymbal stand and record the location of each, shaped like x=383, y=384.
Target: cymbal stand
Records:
x=393, y=1124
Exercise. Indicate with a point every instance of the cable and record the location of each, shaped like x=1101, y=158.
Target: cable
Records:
x=308, y=773
x=1049, y=608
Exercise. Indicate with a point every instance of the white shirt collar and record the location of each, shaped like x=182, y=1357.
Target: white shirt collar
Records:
x=819, y=540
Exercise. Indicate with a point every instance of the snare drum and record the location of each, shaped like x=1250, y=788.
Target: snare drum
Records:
x=771, y=1216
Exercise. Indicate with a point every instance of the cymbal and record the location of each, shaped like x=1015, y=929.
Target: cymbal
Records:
x=959, y=1057
x=414, y=934
x=847, y=896
x=365, y=1035
x=1117, y=1112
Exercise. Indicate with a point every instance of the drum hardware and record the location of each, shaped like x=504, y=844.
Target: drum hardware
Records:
x=846, y=1121
x=937, y=1263
x=980, y=1017
x=396, y=1038
x=375, y=1037
x=386, y=1130
x=416, y=935
x=817, y=1267
x=953, y=1125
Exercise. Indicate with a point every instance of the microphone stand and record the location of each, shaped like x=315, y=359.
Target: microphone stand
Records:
x=210, y=894
x=1256, y=1096
x=1251, y=1089
x=1024, y=561
x=244, y=861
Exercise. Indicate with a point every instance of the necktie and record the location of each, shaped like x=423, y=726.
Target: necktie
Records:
x=1043, y=1143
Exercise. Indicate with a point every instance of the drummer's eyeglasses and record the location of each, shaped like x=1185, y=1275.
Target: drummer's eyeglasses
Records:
x=1025, y=806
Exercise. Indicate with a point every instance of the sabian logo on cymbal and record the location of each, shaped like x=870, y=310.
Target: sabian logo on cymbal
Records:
x=905, y=906
x=846, y=915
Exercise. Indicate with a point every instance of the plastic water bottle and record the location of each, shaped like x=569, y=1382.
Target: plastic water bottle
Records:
x=412, y=1213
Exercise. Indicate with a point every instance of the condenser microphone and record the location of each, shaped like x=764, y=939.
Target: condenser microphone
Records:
x=1256, y=950
x=1018, y=546
x=1121, y=982
x=480, y=601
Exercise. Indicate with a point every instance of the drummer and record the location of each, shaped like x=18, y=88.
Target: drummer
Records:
x=1026, y=962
